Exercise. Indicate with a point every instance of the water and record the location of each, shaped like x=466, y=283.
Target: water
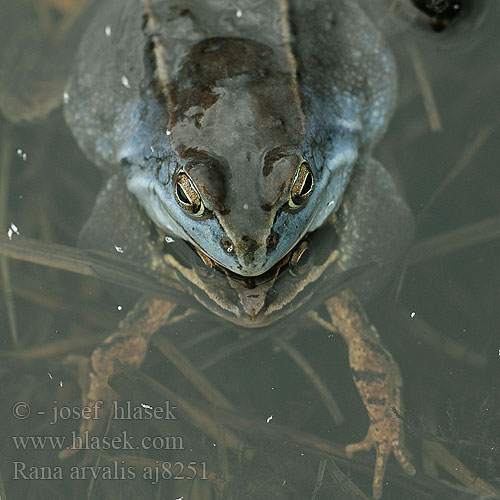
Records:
x=442, y=328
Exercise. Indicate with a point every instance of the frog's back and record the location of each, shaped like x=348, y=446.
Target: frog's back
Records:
x=345, y=67
x=335, y=58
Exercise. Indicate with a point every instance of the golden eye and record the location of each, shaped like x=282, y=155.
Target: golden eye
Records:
x=302, y=186
x=301, y=260
x=187, y=196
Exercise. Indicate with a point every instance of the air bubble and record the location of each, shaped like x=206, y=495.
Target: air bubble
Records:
x=125, y=82
x=21, y=154
x=12, y=230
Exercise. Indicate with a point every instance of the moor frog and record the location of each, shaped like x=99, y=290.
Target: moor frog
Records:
x=246, y=130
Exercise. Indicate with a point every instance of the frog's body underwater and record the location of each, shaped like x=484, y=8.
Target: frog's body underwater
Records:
x=241, y=128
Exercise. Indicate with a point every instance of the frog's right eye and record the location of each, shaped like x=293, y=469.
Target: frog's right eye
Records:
x=302, y=186
x=187, y=196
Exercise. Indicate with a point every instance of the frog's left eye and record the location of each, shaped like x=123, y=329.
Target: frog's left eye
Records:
x=187, y=196
x=302, y=186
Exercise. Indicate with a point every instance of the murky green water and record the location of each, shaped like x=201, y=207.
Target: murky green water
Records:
x=440, y=323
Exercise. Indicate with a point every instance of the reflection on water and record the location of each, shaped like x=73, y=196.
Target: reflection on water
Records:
x=251, y=386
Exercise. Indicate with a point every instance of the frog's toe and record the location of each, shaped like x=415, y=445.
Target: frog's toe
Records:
x=383, y=449
x=364, y=445
x=402, y=458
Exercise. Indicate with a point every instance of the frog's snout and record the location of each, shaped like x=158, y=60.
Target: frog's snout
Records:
x=248, y=250
x=251, y=256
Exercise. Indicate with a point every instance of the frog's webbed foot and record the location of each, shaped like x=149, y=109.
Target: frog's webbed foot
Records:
x=385, y=436
x=378, y=381
x=128, y=345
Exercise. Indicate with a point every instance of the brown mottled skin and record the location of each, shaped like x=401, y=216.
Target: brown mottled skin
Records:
x=128, y=345
x=378, y=381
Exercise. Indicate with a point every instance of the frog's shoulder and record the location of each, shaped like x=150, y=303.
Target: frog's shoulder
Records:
x=103, y=90
x=119, y=232
x=118, y=224
x=345, y=66
x=374, y=225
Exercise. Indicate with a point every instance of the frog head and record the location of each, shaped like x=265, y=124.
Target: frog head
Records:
x=240, y=175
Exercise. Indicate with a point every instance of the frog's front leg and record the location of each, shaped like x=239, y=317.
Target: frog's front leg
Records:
x=374, y=224
x=378, y=381
x=128, y=345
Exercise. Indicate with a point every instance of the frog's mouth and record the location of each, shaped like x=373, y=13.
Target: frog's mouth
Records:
x=309, y=273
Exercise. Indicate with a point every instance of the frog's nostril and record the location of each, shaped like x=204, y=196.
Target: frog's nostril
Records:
x=272, y=241
x=227, y=245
